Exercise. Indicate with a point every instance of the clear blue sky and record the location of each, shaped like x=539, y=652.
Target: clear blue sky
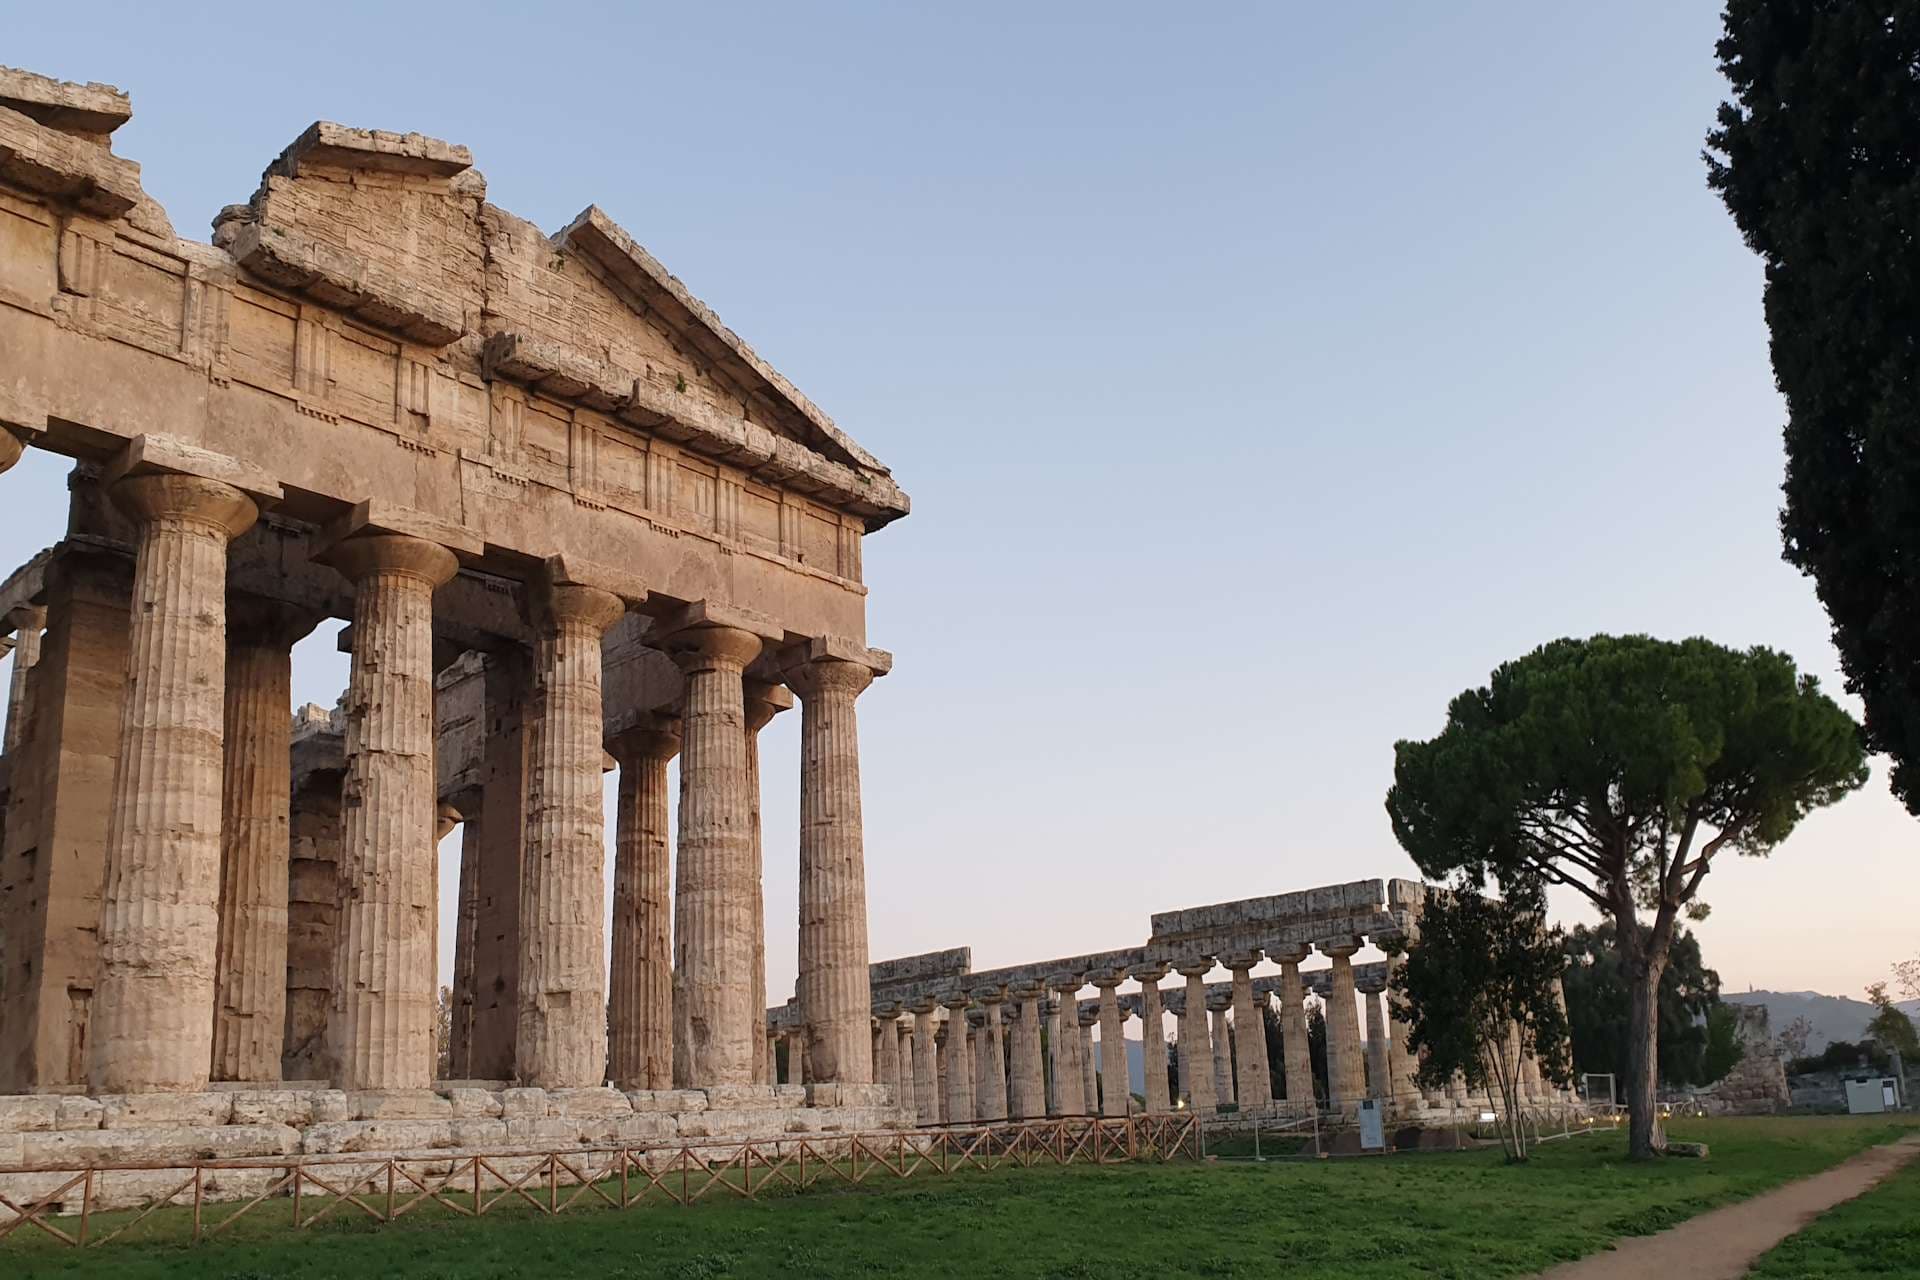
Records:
x=1261, y=379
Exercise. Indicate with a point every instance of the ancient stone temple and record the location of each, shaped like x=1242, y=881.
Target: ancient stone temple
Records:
x=550, y=493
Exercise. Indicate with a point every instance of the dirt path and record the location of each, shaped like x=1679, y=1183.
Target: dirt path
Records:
x=1722, y=1243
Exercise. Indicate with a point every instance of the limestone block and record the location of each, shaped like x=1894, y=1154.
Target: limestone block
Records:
x=153, y=1110
x=823, y=1095
x=474, y=1103
x=804, y=1119
x=741, y=1097
x=677, y=1101
x=849, y=1095
x=399, y=1104
x=790, y=1095
x=330, y=1106
x=765, y=1122
x=28, y=1114
x=273, y=1106
x=479, y=1134
x=524, y=1104
x=185, y=1143
x=377, y=1135
x=589, y=1102
x=651, y=1127
x=78, y=1113
x=12, y=1150
x=542, y=1130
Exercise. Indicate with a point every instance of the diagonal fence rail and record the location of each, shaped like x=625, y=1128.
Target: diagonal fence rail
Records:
x=385, y=1188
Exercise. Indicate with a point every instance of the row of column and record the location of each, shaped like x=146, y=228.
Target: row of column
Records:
x=192, y=971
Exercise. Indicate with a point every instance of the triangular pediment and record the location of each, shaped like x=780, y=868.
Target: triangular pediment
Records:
x=657, y=297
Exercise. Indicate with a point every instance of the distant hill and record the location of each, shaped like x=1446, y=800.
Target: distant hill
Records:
x=1832, y=1017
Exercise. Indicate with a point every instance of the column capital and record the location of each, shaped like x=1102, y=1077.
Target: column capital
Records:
x=1089, y=1017
x=1370, y=984
x=1338, y=948
x=956, y=1001
x=1241, y=961
x=24, y=617
x=762, y=700
x=653, y=737
x=159, y=455
x=553, y=606
x=1148, y=975
x=11, y=447
x=705, y=636
x=1107, y=979
x=445, y=819
x=1392, y=942
x=831, y=663
x=193, y=499
x=258, y=620
x=1195, y=967
x=393, y=554
x=991, y=995
x=1291, y=953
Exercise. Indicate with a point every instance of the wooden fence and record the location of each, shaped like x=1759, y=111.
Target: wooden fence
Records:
x=386, y=1188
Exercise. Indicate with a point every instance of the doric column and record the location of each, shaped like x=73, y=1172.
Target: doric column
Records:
x=797, y=1057
x=1196, y=1059
x=886, y=1043
x=940, y=1070
x=640, y=1005
x=1115, y=1089
x=904, y=1091
x=1294, y=1047
x=1346, y=1077
x=1372, y=995
x=1089, y=1073
x=1027, y=1078
x=250, y=961
x=1217, y=1006
x=959, y=1109
x=1069, y=1084
x=714, y=1018
x=832, y=985
x=1153, y=1040
x=990, y=1081
x=1402, y=1065
x=1255, y=1081
x=761, y=701
x=27, y=623
x=926, y=1069
x=562, y=1040
x=152, y=1024
x=381, y=1025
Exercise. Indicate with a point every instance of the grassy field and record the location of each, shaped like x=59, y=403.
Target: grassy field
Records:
x=1876, y=1235
x=1418, y=1215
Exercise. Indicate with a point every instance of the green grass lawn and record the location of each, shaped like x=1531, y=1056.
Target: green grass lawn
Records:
x=1875, y=1235
x=1416, y=1215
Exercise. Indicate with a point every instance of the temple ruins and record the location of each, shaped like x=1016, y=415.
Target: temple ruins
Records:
x=535, y=458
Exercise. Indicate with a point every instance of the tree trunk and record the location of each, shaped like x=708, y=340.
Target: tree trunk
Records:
x=1646, y=1137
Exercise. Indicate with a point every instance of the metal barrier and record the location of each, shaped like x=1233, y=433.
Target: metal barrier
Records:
x=388, y=1187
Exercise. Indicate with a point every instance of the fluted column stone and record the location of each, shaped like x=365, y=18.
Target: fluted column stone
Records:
x=760, y=703
x=904, y=1093
x=959, y=1073
x=1402, y=1065
x=1346, y=1076
x=1217, y=1007
x=250, y=961
x=1115, y=1088
x=1254, y=1079
x=926, y=1067
x=1069, y=1083
x=1294, y=1047
x=1153, y=1041
x=1196, y=1058
x=886, y=1062
x=28, y=622
x=832, y=984
x=381, y=1024
x=1378, y=1083
x=715, y=1018
x=640, y=981
x=152, y=1019
x=1089, y=1072
x=991, y=1080
x=1027, y=1078
x=562, y=1011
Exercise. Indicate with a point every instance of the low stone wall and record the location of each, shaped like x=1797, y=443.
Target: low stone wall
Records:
x=71, y=1133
